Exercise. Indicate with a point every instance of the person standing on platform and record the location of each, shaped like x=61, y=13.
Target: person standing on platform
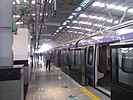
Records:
x=48, y=60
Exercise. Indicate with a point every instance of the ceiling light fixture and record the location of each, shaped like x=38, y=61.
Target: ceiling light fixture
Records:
x=13, y=2
x=18, y=1
x=130, y=10
x=33, y=2
x=68, y=26
x=98, y=4
x=109, y=20
x=116, y=22
x=64, y=23
x=83, y=15
x=78, y=9
x=60, y=28
x=110, y=6
x=57, y=31
x=70, y=17
x=25, y=1
x=74, y=21
x=18, y=23
x=87, y=23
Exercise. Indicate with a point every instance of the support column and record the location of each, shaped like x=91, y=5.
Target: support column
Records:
x=6, y=37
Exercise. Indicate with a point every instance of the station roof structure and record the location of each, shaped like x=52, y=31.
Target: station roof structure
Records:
x=72, y=19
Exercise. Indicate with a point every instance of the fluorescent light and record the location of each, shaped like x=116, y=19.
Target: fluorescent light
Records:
x=57, y=31
x=87, y=23
x=98, y=25
x=98, y=4
x=68, y=26
x=70, y=17
x=16, y=16
x=88, y=29
x=44, y=48
x=50, y=1
x=46, y=14
x=109, y=20
x=18, y=23
x=25, y=1
x=33, y=14
x=13, y=2
x=83, y=15
x=75, y=32
x=124, y=31
x=18, y=1
x=96, y=17
x=116, y=22
x=60, y=28
x=74, y=14
x=80, y=32
x=110, y=6
x=101, y=18
x=78, y=9
x=74, y=21
x=118, y=7
x=90, y=16
x=124, y=8
x=33, y=2
x=40, y=14
x=107, y=27
x=121, y=8
x=130, y=10
x=76, y=27
x=97, y=37
x=64, y=23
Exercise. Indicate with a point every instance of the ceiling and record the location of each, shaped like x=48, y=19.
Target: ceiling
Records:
x=73, y=19
x=42, y=18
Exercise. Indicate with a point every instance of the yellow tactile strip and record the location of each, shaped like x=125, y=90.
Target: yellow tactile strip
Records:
x=90, y=94
x=84, y=90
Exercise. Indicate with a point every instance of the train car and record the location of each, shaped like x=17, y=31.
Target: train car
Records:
x=56, y=58
x=104, y=61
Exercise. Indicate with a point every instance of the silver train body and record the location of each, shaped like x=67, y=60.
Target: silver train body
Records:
x=105, y=63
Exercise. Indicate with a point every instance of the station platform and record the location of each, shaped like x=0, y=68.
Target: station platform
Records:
x=56, y=85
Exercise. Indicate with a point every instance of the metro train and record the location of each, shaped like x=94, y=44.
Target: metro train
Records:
x=104, y=61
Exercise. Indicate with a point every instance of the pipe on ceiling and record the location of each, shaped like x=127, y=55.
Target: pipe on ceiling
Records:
x=55, y=7
x=38, y=2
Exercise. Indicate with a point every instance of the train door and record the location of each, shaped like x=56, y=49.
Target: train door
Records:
x=58, y=58
x=102, y=68
x=64, y=61
x=83, y=56
x=90, y=63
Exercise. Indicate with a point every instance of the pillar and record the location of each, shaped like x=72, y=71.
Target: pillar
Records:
x=6, y=37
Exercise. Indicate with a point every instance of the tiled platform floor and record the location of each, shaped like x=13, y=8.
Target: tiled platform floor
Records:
x=56, y=85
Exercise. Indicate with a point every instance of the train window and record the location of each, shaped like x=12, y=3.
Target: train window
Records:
x=122, y=65
x=71, y=57
x=90, y=55
x=77, y=58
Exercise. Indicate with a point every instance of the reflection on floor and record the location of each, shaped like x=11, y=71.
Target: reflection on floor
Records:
x=56, y=85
